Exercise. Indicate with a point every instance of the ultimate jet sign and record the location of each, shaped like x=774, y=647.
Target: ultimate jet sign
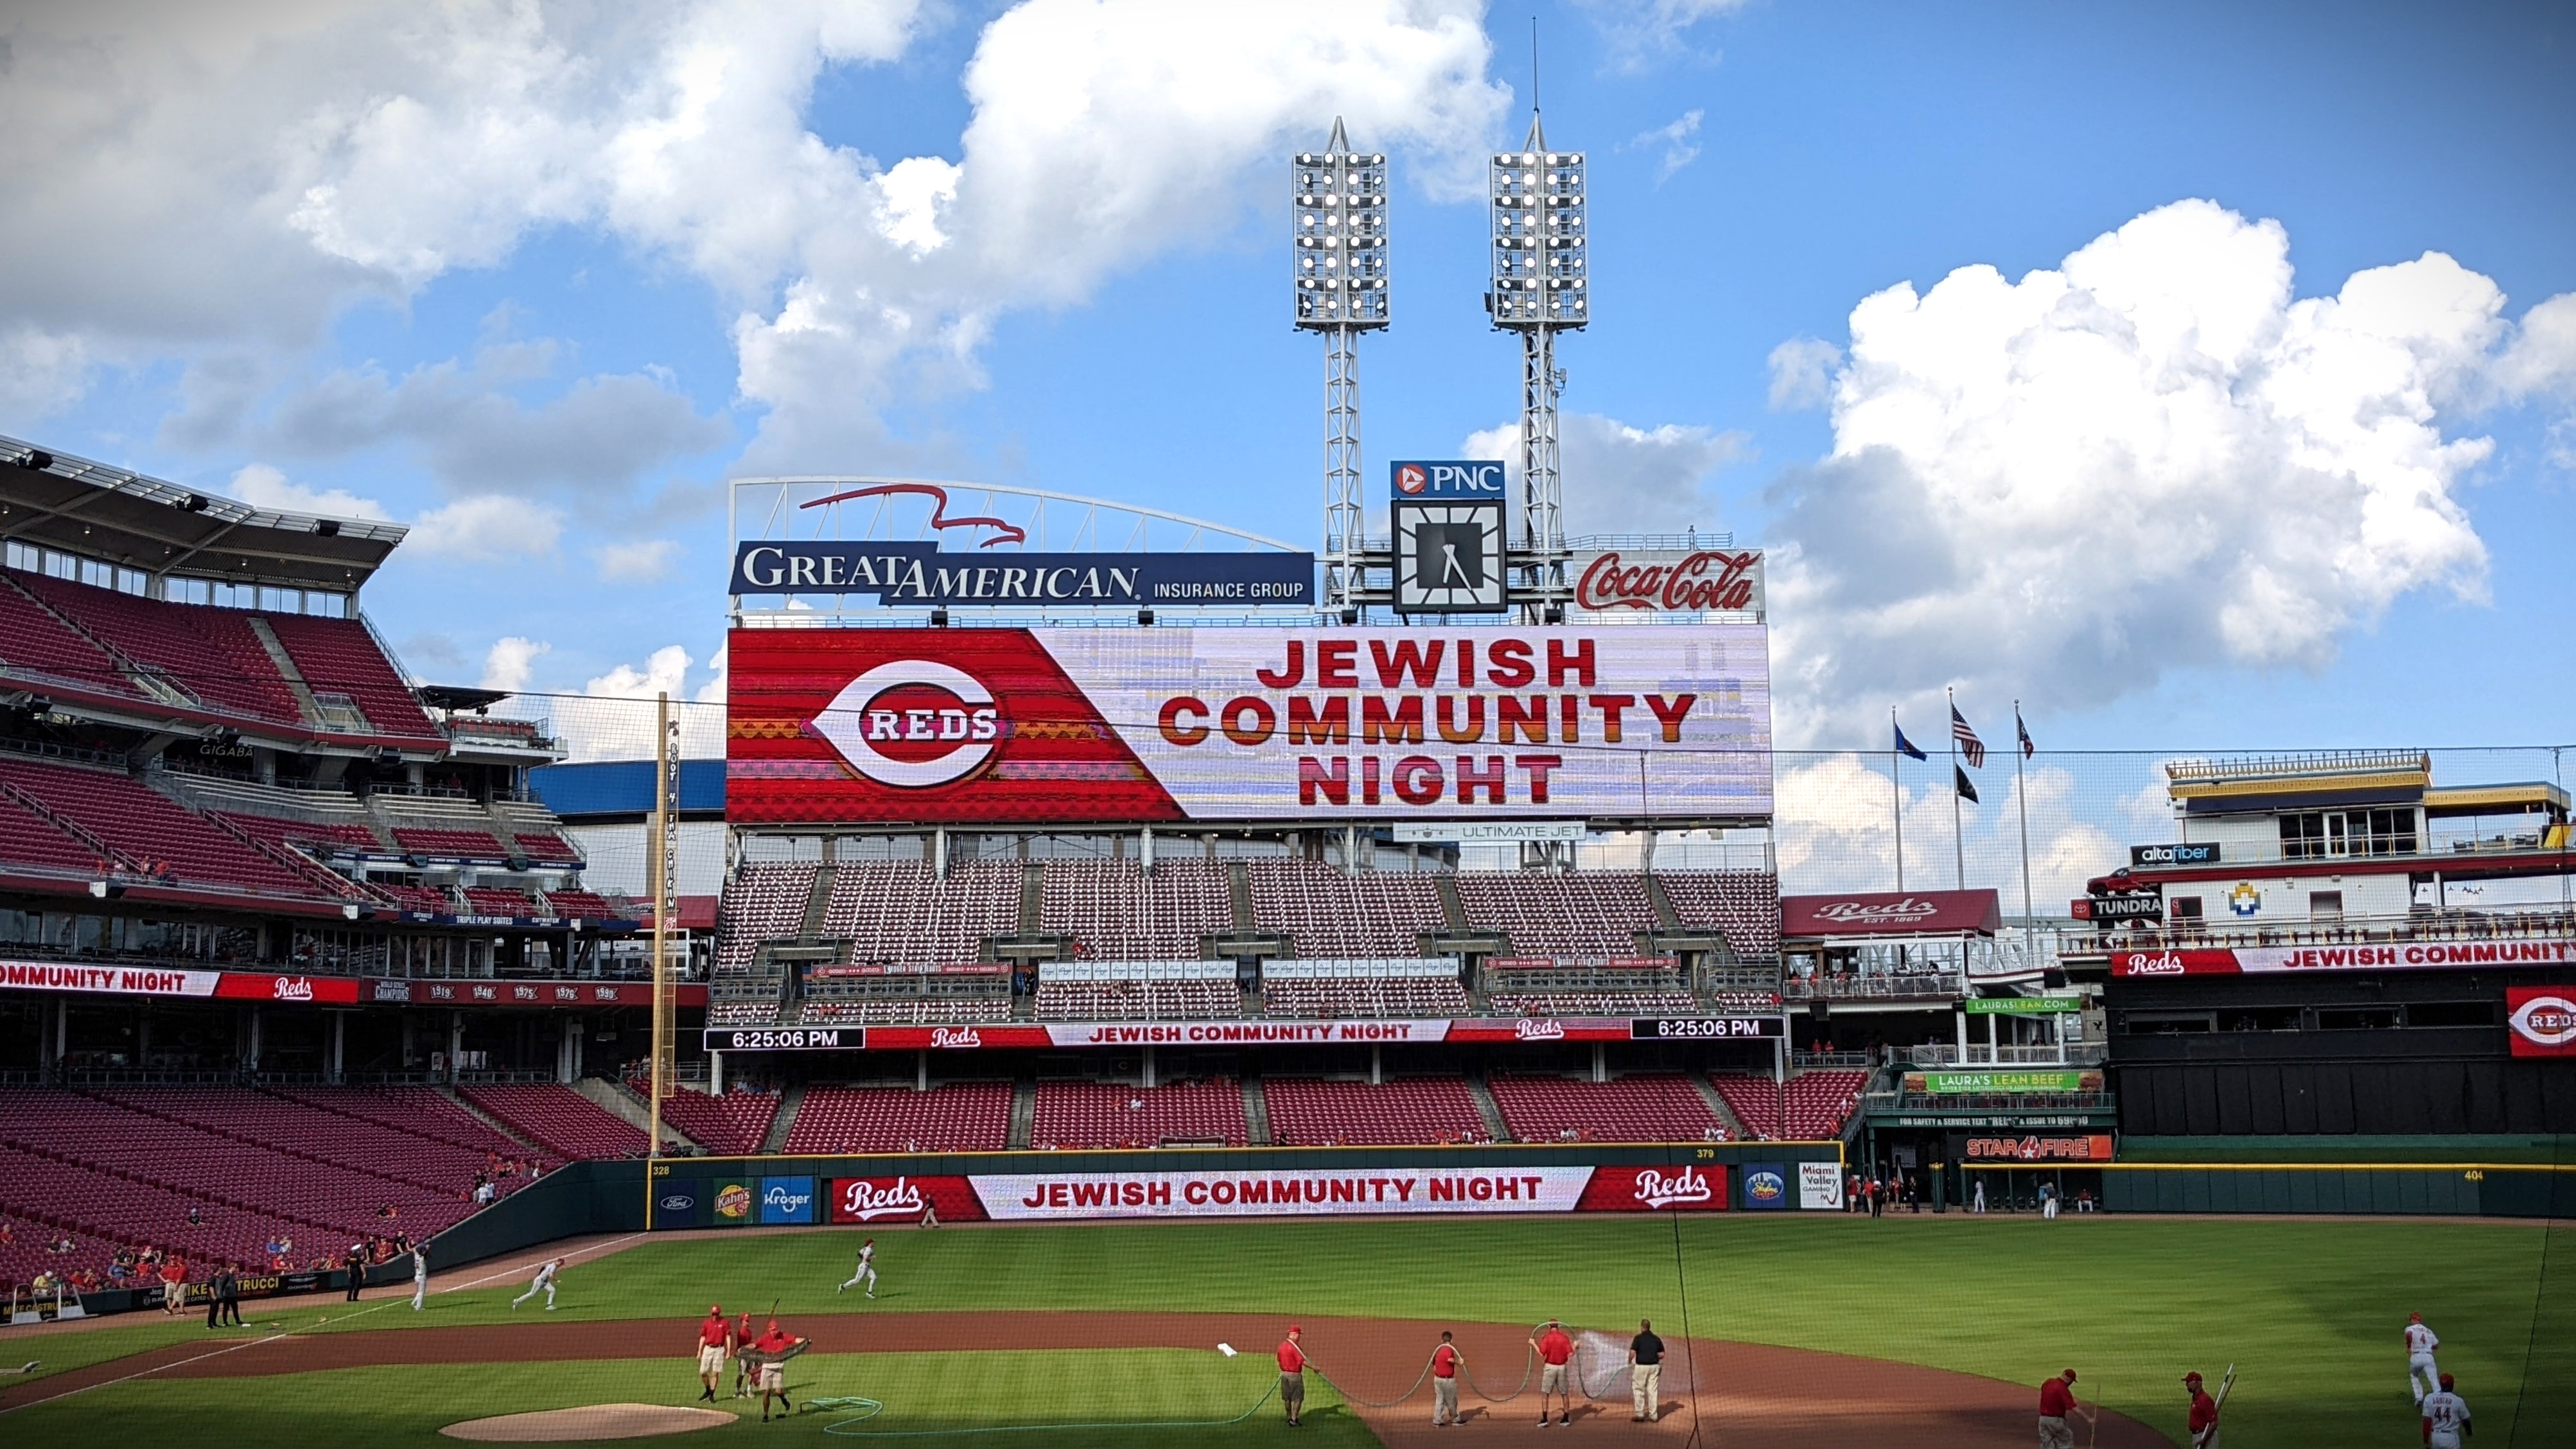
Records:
x=1023, y=726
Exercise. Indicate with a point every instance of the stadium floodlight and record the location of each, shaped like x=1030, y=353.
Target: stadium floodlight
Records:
x=1338, y=201
x=1539, y=287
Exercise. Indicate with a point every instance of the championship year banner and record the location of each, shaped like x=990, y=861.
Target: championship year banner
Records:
x=1025, y=726
x=2389, y=956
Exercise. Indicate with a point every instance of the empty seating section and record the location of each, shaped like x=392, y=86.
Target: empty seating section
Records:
x=1111, y=910
x=1306, y=1112
x=559, y=1119
x=747, y=1013
x=36, y=646
x=951, y=1117
x=449, y=844
x=1586, y=913
x=1811, y=1107
x=573, y=903
x=340, y=656
x=1328, y=912
x=1645, y=1108
x=147, y=826
x=764, y=900
x=1742, y=905
x=1119, y=990
x=300, y=1130
x=1590, y=1003
x=879, y=995
x=293, y=833
x=1422, y=987
x=1107, y=1114
x=103, y=1211
x=210, y=653
x=731, y=1125
x=240, y=1175
x=433, y=899
x=490, y=901
x=546, y=848
x=27, y=838
x=421, y=1111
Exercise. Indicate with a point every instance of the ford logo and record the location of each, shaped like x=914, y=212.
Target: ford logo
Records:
x=678, y=1202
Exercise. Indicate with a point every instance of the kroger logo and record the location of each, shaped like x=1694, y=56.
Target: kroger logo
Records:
x=781, y=1198
x=1765, y=1186
x=912, y=723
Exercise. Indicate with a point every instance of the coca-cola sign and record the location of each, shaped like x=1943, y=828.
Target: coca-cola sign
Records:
x=1672, y=581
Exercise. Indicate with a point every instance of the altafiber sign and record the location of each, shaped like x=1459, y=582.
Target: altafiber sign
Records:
x=2542, y=1020
x=1023, y=726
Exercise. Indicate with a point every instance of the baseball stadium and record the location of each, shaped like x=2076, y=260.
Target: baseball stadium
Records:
x=1102, y=977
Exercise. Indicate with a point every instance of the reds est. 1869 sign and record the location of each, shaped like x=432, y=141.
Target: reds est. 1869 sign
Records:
x=1025, y=725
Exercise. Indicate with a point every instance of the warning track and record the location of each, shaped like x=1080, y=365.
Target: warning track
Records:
x=1782, y=1398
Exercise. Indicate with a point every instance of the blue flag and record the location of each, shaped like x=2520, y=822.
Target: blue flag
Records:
x=1906, y=747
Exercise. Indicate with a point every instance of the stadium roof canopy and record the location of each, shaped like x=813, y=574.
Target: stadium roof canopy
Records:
x=73, y=505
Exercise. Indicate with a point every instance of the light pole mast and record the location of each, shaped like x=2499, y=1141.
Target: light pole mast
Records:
x=1540, y=288
x=1339, y=200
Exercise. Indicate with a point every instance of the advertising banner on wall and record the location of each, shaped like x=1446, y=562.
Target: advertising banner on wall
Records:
x=1766, y=1187
x=2090, y=1147
x=1275, y=1032
x=2542, y=1020
x=2044, y=1081
x=958, y=726
x=1057, y=1197
x=1643, y=582
x=786, y=1200
x=917, y=574
x=1820, y=1186
x=1889, y=913
x=2391, y=956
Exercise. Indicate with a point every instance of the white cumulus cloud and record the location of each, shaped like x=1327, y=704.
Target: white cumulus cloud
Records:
x=2152, y=456
x=262, y=486
x=644, y=561
x=1802, y=373
x=1620, y=478
x=510, y=661
x=487, y=528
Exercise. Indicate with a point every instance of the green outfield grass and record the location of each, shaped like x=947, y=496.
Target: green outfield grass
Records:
x=1167, y=1397
x=2310, y=1311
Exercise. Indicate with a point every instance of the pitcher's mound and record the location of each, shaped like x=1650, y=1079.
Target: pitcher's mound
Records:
x=590, y=1421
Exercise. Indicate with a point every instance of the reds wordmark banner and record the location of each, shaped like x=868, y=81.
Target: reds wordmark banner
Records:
x=2542, y=1020
x=2391, y=956
x=957, y=726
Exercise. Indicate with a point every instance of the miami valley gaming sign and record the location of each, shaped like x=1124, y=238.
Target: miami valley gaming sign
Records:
x=959, y=726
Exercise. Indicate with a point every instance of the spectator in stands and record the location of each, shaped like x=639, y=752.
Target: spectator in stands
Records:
x=196, y=1216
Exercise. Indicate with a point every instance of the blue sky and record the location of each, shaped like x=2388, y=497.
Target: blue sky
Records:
x=538, y=280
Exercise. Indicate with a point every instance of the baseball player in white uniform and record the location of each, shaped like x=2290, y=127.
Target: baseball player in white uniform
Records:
x=867, y=1269
x=544, y=1283
x=2446, y=1418
x=419, y=1278
x=2421, y=1377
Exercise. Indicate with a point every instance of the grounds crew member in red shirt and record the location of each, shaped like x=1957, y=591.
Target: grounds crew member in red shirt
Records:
x=1445, y=1363
x=2204, y=1414
x=1554, y=1349
x=2057, y=1404
x=1292, y=1375
x=773, y=1373
x=742, y=1337
x=715, y=1337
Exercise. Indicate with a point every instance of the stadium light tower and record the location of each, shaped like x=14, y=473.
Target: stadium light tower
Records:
x=1540, y=289
x=1340, y=264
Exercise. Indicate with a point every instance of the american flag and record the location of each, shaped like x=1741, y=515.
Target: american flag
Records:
x=2027, y=748
x=1969, y=744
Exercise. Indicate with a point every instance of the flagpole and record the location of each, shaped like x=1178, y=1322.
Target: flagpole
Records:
x=1958, y=833
x=1896, y=763
x=2021, y=797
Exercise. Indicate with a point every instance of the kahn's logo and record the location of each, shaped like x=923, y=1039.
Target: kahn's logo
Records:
x=957, y=1036
x=912, y=724
x=1656, y=1190
x=1526, y=1030
x=2548, y=1021
x=865, y=1202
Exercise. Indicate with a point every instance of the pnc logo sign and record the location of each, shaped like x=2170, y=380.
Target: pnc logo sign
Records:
x=1461, y=479
x=912, y=723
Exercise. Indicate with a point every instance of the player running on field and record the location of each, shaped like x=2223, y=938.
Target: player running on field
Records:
x=2446, y=1418
x=1446, y=1360
x=715, y=1340
x=544, y=1283
x=2421, y=1376
x=419, y=1278
x=2204, y=1413
x=1554, y=1351
x=867, y=1269
x=773, y=1368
